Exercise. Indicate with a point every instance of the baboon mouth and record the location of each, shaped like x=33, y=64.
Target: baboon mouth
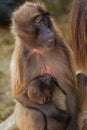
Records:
x=50, y=40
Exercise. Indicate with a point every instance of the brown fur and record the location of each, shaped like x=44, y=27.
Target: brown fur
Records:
x=26, y=65
x=78, y=28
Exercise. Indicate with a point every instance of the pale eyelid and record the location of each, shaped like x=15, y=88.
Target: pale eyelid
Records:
x=38, y=19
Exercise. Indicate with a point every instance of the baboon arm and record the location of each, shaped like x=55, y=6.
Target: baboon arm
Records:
x=48, y=109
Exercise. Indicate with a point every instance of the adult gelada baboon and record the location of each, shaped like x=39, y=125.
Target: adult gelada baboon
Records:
x=41, y=57
x=78, y=29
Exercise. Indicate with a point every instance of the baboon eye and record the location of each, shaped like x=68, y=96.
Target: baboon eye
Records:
x=38, y=20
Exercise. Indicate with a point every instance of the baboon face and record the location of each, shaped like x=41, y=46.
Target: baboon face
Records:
x=32, y=23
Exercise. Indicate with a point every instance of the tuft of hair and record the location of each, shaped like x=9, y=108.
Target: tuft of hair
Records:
x=78, y=32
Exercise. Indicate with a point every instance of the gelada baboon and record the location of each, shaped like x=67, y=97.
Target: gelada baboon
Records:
x=41, y=53
x=78, y=29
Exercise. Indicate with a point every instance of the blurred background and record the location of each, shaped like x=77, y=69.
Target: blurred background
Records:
x=60, y=10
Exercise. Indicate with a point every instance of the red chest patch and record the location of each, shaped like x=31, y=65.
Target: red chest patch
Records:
x=45, y=69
